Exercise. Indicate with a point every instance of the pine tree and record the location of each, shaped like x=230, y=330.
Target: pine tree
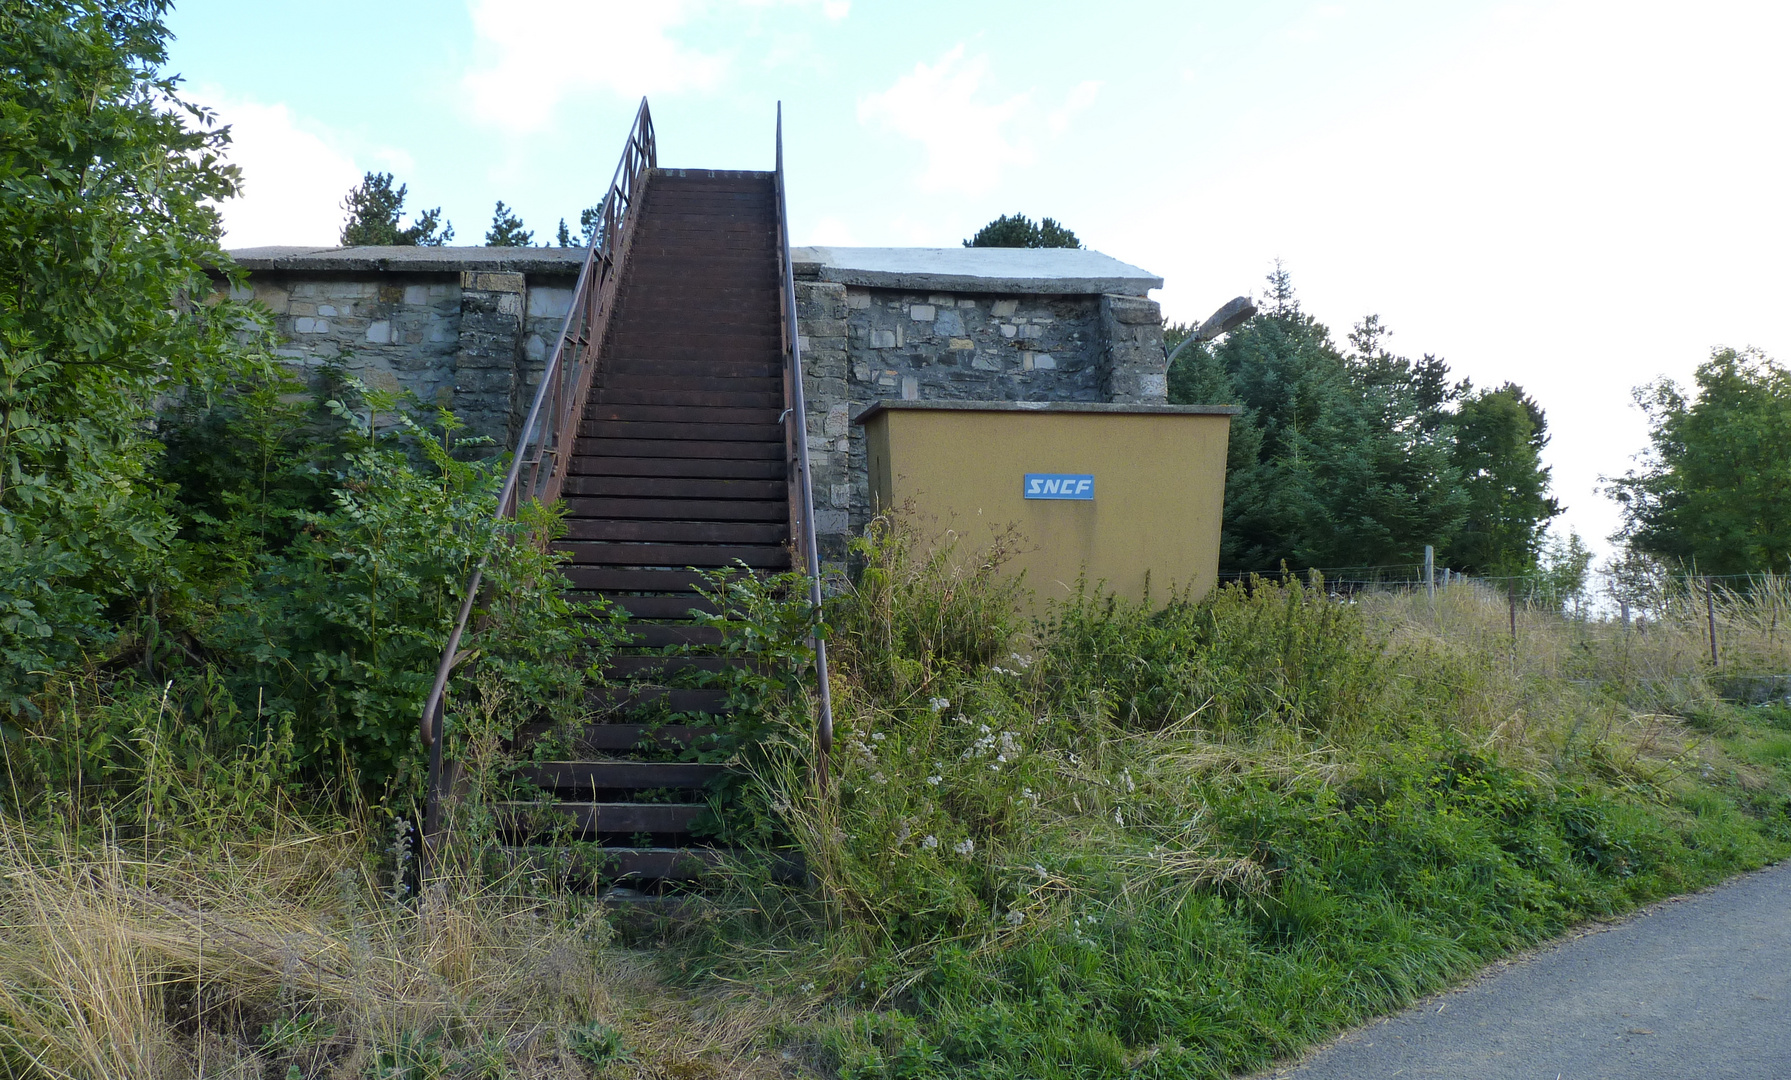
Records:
x=1019, y=231
x=506, y=229
x=373, y=212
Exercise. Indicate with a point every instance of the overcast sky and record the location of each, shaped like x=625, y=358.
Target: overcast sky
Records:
x=1575, y=196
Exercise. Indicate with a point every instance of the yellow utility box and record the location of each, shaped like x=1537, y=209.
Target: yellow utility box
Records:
x=1113, y=492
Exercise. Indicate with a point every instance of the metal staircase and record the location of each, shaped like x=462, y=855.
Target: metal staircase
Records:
x=669, y=422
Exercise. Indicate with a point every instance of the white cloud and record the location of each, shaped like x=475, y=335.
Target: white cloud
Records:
x=831, y=10
x=1081, y=97
x=294, y=179
x=971, y=135
x=942, y=106
x=545, y=51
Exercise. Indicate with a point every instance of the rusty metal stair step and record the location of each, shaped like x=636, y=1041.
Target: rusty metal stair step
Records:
x=676, y=606
x=741, y=390
x=676, y=532
x=604, y=817
x=766, y=510
x=692, y=468
x=607, y=739
x=613, y=580
x=659, y=667
x=762, y=431
x=624, y=698
x=660, y=635
x=735, y=450
x=655, y=488
x=673, y=556
x=583, y=864
x=618, y=775
x=727, y=400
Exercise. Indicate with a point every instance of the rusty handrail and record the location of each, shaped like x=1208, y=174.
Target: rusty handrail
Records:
x=796, y=416
x=551, y=428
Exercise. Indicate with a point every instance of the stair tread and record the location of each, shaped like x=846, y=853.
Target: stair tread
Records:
x=679, y=461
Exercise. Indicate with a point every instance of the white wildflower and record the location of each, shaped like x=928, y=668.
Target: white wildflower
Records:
x=964, y=847
x=1126, y=775
x=938, y=704
x=879, y=778
x=935, y=780
x=1117, y=818
x=903, y=833
x=1023, y=661
x=1015, y=918
x=929, y=842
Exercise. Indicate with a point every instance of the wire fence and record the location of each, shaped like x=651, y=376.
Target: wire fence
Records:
x=1634, y=593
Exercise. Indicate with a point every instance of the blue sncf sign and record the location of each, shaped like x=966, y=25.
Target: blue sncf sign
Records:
x=1050, y=485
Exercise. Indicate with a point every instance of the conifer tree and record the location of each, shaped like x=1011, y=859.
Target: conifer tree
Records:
x=1019, y=231
x=506, y=229
x=373, y=212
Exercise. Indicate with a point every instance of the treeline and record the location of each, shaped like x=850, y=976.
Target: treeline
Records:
x=1351, y=456
x=376, y=210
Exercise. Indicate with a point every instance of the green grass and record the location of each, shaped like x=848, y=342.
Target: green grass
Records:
x=1183, y=841
x=1168, y=840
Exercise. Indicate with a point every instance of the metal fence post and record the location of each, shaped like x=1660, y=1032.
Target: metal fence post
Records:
x=1710, y=614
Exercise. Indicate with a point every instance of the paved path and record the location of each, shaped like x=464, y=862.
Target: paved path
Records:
x=1698, y=987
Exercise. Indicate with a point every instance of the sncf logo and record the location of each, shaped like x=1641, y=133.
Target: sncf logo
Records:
x=1059, y=486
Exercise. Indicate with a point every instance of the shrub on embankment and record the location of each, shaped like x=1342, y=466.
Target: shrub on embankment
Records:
x=1172, y=841
x=1178, y=840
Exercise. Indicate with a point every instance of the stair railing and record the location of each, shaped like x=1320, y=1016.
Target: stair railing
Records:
x=549, y=433
x=802, y=525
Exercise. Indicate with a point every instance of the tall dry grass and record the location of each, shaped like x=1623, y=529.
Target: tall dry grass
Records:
x=294, y=954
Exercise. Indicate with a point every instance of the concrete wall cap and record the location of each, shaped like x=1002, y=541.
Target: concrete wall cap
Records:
x=1045, y=407
x=427, y=260
x=1035, y=271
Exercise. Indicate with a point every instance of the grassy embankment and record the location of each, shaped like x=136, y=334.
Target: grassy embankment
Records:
x=1165, y=844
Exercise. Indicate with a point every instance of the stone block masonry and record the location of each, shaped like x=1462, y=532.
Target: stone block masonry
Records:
x=863, y=345
x=471, y=329
x=468, y=329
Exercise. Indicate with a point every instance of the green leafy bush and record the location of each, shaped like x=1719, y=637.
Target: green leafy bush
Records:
x=342, y=630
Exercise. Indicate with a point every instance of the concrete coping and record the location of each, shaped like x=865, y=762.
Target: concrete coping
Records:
x=1107, y=407
x=563, y=262
x=1006, y=271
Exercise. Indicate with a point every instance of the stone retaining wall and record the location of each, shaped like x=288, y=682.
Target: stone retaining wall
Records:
x=471, y=328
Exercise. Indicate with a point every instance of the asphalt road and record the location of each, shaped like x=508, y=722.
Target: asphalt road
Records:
x=1696, y=987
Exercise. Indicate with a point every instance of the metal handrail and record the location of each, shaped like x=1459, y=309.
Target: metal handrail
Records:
x=797, y=418
x=544, y=444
